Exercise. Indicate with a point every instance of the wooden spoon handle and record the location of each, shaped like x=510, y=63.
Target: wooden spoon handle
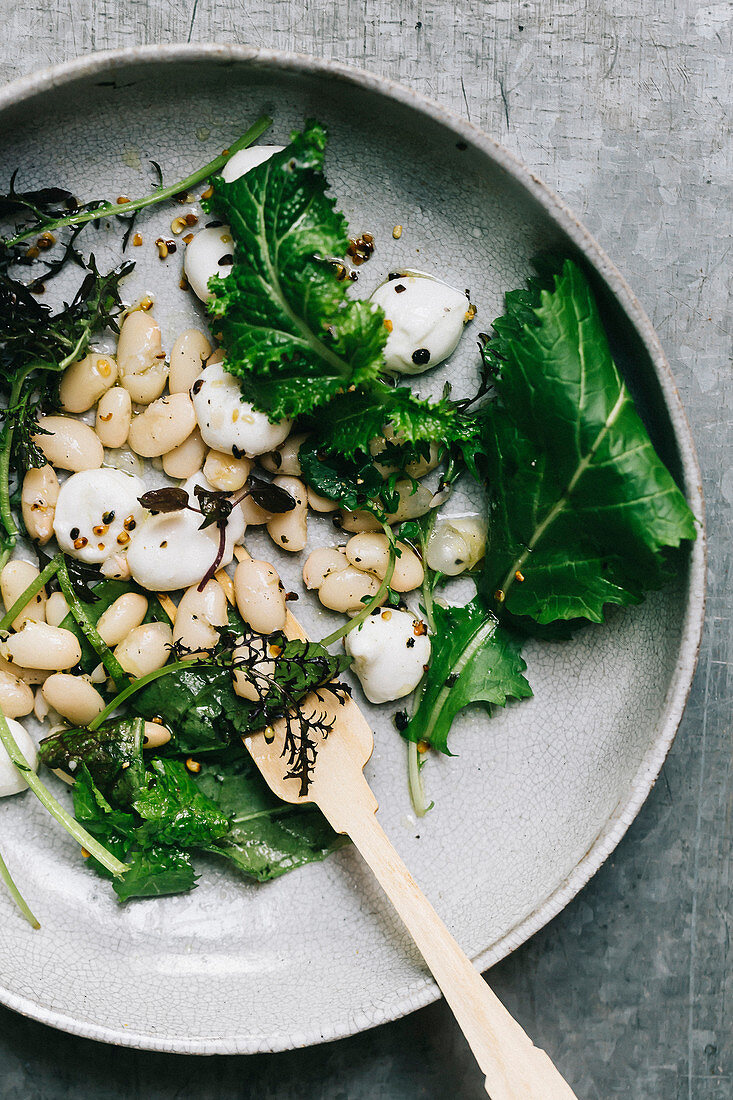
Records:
x=515, y=1069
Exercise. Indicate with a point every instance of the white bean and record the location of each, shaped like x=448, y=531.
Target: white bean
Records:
x=69, y=444
x=12, y=779
x=320, y=563
x=319, y=503
x=140, y=359
x=145, y=649
x=289, y=530
x=260, y=596
x=225, y=472
x=122, y=616
x=345, y=590
x=198, y=616
x=41, y=646
x=14, y=579
x=56, y=609
x=84, y=382
x=114, y=413
x=250, y=685
x=254, y=516
x=185, y=459
x=73, y=697
x=284, y=460
x=164, y=425
x=359, y=521
x=30, y=676
x=414, y=501
x=155, y=734
x=190, y=352
x=371, y=553
x=16, y=698
x=38, y=502
x=40, y=706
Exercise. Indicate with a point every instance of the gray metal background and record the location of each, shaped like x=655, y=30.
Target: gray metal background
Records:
x=623, y=106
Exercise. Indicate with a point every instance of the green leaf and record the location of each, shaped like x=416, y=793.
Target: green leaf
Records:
x=474, y=661
x=581, y=507
x=293, y=336
x=155, y=872
x=266, y=837
x=174, y=811
x=112, y=756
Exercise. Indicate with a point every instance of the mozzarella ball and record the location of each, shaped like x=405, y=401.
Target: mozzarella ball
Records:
x=389, y=651
x=211, y=252
x=246, y=159
x=229, y=424
x=456, y=543
x=426, y=318
x=11, y=780
x=171, y=551
x=97, y=513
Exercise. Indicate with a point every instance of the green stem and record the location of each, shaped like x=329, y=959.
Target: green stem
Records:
x=25, y=597
x=16, y=894
x=137, y=685
x=44, y=796
x=88, y=629
x=375, y=600
x=112, y=209
x=279, y=810
x=6, y=512
x=418, y=798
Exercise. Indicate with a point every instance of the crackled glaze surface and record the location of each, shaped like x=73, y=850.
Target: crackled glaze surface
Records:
x=540, y=795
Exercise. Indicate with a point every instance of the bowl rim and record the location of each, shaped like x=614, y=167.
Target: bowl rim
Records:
x=424, y=991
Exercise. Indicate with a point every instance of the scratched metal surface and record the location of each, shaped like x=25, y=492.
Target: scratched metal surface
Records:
x=623, y=111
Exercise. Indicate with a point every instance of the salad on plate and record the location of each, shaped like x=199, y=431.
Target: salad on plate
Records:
x=141, y=633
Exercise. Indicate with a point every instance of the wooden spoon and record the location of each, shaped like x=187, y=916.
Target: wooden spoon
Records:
x=515, y=1069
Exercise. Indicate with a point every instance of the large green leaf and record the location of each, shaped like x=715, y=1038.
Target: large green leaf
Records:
x=475, y=661
x=581, y=506
x=293, y=335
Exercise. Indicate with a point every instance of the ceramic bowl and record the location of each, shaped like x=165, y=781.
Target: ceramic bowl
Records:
x=541, y=793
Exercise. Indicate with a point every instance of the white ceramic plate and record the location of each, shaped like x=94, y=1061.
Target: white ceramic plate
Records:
x=542, y=793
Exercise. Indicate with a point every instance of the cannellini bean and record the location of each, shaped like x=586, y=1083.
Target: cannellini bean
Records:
x=225, y=472
x=16, y=698
x=260, y=596
x=155, y=734
x=319, y=503
x=38, y=645
x=320, y=563
x=371, y=553
x=456, y=543
x=248, y=684
x=140, y=358
x=145, y=649
x=114, y=413
x=41, y=708
x=73, y=697
x=289, y=530
x=359, y=521
x=414, y=501
x=122, y=616
x=56, y=609
x=69, y=444
x=190, y=352
x=84, y=382
x=14, y=579
x=165, y=424
x=254, y=516
x=185, y=459
x=116, y=567
x=198, y=616
x=11, y=778
x=30, y=676
x=285, y=459
x=345, y=590
x=419, y=468
x=38, y=501
x=98, y=675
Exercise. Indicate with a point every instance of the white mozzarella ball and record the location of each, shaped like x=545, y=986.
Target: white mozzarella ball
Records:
x=246, y=159
x=97, y=513
x=171, y=551
x=426, y=318
x=211, y=252
x=389, y=651
x=11, y=780
x=229, y=424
